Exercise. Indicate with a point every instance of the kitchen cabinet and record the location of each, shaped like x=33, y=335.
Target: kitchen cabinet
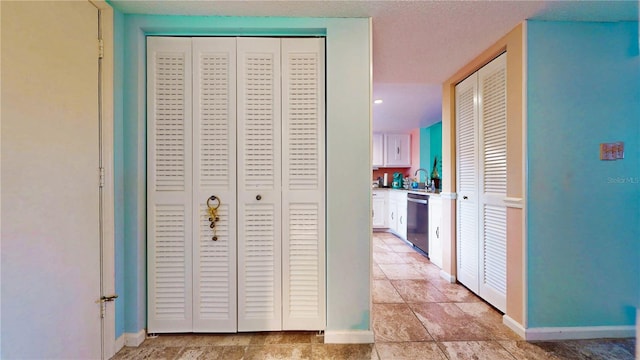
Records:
x=379, y=212
x=435, y=230
x=397, y=150
x=378, y=150
x=397, y=218
x=481, y=171
x=391, y=150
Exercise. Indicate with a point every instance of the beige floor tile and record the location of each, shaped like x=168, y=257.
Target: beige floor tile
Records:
x=282, y=337
x=429, y=270
x=454, y=292
x=378, y=273
x=403, y=248
x=410, y=351
x=212, y=353
x=415, y=257
x=219, y=340
x=490, y=318
x=396, y=323
x=474, y=350
x=523, y=350
x=446, y=322
x=418, y=291
x=401, y=271
x=382, y=247
x=387, y=258
x=384, y=292
x=393, y=240
x=278, y=352
x=343, y=351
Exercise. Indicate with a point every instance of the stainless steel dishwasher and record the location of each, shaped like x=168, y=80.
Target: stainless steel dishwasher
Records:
x=418, y=221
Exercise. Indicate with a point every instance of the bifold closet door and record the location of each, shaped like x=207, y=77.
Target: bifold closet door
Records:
x=259, y=185
x=492, y=150
x=467, y=183
x=191, y=155
x=481, y=148
x=303, y=184
x=214, y=169
x=169, y=185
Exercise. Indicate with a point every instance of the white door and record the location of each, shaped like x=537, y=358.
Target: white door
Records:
x=50, y=188
x=492, y=150
x=169, y=185
x=214, y=169
x=303, y=184
x=467, y=183
x=259, y=185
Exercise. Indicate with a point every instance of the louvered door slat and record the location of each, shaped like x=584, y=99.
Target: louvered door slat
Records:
x=169, y=169
x=214, y=149
x=303, y=184
x=467, y=183
x=492, y=86
x=259, y=185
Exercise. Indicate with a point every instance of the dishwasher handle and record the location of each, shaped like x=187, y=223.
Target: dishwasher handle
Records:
x=419, y=201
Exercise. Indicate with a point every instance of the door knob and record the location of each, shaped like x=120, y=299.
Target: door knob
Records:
x=259, y=197
x=465, y=197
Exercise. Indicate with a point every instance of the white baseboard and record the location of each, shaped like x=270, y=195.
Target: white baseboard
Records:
x=134, y=339
x=119, y=343
x=450, y=278
x=348, y=337
x=579, y=332
x=514, y=325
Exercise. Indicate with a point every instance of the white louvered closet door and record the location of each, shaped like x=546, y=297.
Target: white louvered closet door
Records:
x=467, y=183
x=259, y=185
x=214, y=169
x=303, y=184
x=492, y=149
x=169, y=178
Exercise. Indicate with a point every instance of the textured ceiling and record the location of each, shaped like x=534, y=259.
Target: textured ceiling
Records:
x=416, y=44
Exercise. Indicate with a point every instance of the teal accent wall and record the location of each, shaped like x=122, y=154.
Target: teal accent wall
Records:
x=583, y=214
x=348, y=132
x=118, y=158
x=430, y=146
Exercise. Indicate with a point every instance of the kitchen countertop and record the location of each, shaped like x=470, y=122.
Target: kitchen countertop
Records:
x=415, y=191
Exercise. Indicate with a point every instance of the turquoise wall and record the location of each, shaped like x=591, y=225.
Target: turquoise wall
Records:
x=118, y=158
x=348, y=60
x=583, y=214
x=430, y=146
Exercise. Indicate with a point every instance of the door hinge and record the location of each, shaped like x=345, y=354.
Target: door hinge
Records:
x=102, y=177
x=100, y=48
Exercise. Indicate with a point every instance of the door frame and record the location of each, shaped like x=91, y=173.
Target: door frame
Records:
x=109, y=346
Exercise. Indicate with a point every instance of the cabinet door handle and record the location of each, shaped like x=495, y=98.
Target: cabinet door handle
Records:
x=372, y=214
x=259, y=197
x=465, y=197
x=391, y=216
x=438, y=232
x=398, y=150
x=400, y=219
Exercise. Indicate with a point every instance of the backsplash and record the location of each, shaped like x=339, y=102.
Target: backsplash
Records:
x=380, y=173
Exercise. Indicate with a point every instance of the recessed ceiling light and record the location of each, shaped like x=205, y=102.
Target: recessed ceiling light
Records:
x=378, y=101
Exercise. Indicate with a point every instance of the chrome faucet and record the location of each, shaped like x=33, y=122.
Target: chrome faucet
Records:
x=421, y=169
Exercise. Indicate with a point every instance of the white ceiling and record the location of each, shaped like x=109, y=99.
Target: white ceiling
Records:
x=416, y=44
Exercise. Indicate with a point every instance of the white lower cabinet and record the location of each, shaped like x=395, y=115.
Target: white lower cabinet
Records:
x=379, y=211
x=397, y=213
x=435, y=230
x=235, y=184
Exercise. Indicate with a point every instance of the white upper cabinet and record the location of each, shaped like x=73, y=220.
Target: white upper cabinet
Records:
x=378, y=150
x=397, y=150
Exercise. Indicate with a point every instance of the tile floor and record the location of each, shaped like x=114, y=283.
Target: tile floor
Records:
x=416, y=315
